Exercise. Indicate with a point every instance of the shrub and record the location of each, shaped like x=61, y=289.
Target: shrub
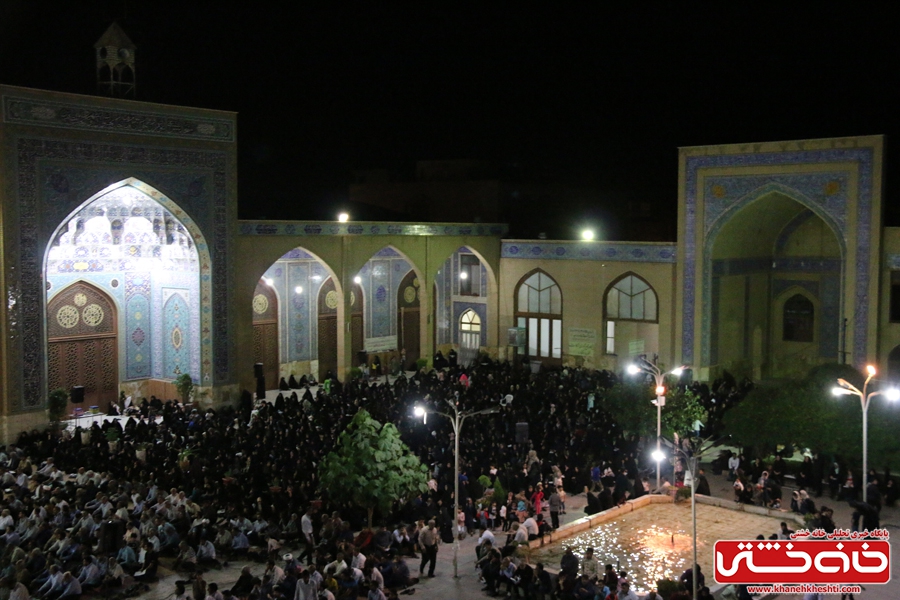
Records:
x=421, y=364
x=666, y=588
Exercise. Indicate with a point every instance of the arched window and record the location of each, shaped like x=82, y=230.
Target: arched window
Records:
x=470, y=322
x=633, y=299
x=629, y=298
x=469, y=336
x=539, y=312
x=799, y=319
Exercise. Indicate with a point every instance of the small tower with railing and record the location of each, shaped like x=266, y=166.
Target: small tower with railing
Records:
x=115, y=64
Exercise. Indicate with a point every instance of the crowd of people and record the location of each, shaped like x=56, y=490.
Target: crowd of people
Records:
x=194, y=488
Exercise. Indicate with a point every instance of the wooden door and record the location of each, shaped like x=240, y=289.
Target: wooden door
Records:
x=83, y=348
x=328, y=329
x=265, y=333
x=357, y=323
x=408, y=296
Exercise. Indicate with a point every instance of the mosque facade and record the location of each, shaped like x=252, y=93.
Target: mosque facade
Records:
x=124, y=266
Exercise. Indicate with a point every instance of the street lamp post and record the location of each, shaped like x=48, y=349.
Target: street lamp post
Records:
x=645, y=366
x=457, y=418
x=845, y=388
x=693, y=460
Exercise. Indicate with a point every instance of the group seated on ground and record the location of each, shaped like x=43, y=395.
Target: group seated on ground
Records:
x=188, y=489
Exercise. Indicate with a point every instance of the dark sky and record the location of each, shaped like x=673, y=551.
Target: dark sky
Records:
x=594, y=99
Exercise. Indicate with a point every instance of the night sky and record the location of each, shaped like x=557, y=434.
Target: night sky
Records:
x=593, y=101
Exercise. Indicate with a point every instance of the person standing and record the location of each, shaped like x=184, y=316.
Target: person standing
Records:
x=555, y=503
x=429, y=540
x=306, y=530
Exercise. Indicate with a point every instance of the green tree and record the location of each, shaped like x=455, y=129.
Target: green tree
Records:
x=681, y=411
x=806, y=413
x=371, y=467
x=630, y=405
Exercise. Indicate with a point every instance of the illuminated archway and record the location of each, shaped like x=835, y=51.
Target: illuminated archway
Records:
x=136, y=246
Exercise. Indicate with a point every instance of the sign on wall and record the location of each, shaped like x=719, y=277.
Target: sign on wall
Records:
x=381, y=344
x=582, y=341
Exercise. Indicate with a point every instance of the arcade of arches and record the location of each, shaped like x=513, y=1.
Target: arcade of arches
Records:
x=125, y=265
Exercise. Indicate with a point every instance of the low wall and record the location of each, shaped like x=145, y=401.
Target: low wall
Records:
x=591, y=521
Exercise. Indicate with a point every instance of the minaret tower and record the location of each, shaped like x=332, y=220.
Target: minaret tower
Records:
x=115, y=63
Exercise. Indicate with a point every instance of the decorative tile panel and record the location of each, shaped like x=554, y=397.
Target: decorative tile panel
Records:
x=823, y=194
x=72, y=115
x=54, y=177
x=654, y=253
x=324, y=228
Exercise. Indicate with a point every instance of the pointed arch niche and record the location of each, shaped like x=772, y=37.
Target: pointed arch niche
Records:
x=300, y=320
x=464, y=282
x=137, y=247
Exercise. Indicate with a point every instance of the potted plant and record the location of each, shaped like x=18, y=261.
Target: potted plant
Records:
x=57, y=403
x=184, y=458
x=140, y=452
x=112, y=437
x=185, y=386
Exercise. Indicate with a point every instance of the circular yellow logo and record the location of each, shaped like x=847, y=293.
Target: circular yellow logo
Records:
x=260, y=304
x=331, y=299
x=67, y=316
x=92, y=315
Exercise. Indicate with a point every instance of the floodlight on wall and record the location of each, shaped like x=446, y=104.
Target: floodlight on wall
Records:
x=463, y=275
x=587, y=235
x=343, y=217
x=299, y=289
x=269, y=281
x=357, y=280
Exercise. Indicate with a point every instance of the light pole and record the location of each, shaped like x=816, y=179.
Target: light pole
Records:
x=645, y=366
x=456, y=419
x=845, y=388
x=693, y=460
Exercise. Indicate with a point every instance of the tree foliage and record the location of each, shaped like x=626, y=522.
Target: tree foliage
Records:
x=681, y=411
x=805, y=412
x=629, y=404
x=371, y=467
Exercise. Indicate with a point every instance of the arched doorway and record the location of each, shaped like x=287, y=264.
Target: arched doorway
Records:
x=775, y=276
x=469, y=337
x=539, y=311
x=83, y=346
x=631, y=315
x=265, y=332
x=328, y=329
x=357, y=323
x=408, y=317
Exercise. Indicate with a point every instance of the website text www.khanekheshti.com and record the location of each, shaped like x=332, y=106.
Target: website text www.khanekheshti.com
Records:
x=804, y=588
